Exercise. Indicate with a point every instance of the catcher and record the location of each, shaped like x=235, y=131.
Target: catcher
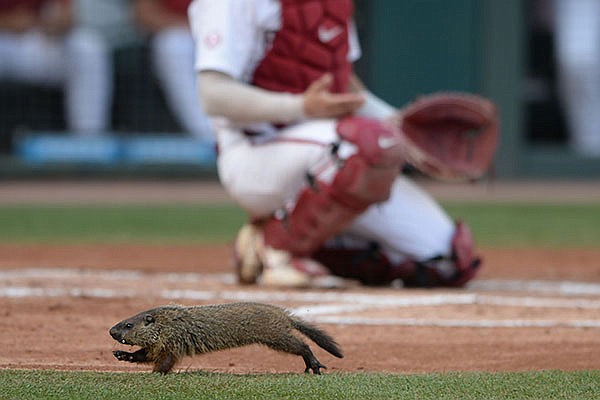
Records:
x=315, y=158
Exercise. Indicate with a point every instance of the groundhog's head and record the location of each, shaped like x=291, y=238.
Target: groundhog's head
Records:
x=145, y=329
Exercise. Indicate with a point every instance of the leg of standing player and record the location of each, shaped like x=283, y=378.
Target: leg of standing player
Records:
x=173, y=60
x=578, y=56
x=78, y=63
x=88, y=82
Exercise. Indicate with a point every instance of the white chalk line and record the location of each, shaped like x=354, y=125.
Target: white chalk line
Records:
x=115, y=275
x=457, y=323
x=565, y=288
x=342, y=302
x=329, y=304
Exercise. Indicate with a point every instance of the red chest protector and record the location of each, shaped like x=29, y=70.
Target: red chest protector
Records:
x=313, y=40
x=177, y=6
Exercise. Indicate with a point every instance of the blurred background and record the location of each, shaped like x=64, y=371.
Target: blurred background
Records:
x=102, y=88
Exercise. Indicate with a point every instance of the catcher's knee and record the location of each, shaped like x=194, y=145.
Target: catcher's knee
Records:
x=378, y=143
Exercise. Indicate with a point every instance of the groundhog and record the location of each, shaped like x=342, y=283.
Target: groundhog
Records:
x=166, y=334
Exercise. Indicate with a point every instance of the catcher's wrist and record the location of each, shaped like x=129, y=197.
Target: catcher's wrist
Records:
x=374, y=107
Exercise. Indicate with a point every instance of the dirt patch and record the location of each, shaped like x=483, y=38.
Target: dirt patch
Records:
x=44, y=327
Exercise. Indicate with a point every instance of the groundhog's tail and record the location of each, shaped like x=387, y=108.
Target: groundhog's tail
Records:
x=318, y=336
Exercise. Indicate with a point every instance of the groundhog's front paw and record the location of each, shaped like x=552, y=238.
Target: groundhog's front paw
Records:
x=124, y=356
x=139, y=356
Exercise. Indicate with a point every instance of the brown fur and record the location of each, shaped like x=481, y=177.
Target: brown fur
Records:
x=167, y=334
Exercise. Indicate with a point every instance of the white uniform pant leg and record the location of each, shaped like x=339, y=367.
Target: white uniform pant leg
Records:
x=410, y=224
x=32, y=57
x=578, y=56
x=173, y=60
x=266, y=177
x=88, y=82
x=78, y=63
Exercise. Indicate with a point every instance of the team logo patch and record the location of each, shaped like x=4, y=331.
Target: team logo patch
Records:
x=212, y=40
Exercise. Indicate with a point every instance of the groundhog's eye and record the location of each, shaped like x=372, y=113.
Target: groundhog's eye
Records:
x=149, y=319
x=128, y=325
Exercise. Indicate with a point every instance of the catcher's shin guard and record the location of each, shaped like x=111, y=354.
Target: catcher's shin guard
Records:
x=371, y=267
x=323, y=210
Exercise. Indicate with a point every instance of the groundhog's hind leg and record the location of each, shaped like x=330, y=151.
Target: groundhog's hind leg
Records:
x=294, y=345
x=312, y=363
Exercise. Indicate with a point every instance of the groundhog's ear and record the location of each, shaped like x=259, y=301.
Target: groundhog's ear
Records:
x=149, y=319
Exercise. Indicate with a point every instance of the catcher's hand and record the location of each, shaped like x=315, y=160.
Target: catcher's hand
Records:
x=450, y=136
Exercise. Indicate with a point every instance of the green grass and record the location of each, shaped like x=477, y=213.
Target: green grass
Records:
x=76, y=224
x=493, y=224
x=547, y=225
x=335, y=386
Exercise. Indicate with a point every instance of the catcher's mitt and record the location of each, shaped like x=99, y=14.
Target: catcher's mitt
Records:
x=450, y=136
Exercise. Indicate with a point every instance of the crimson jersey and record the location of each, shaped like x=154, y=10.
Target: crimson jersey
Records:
x=177, y=6
x=7, y=5
x=312, y=40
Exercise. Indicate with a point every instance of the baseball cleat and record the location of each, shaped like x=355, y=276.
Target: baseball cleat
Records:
x=245, y=255
x=256, y=263
x=282, y=269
